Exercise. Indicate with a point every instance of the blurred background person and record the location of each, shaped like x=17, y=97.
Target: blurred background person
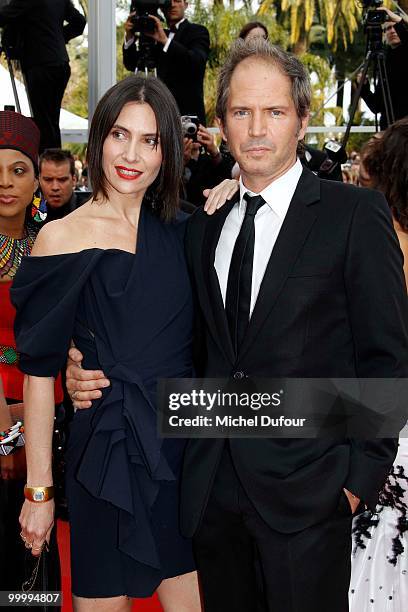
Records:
x=19, y=225
x=252, y=30
x=379, y=579
x=204, y=166
x=38, y=31
x=179, y=53
x=58, y=183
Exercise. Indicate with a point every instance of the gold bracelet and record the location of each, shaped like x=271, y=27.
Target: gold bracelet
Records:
x=38, y=494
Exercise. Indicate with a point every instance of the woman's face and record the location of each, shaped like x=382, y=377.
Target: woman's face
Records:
x=17, y=182
x=255, y=33
x=132, y=154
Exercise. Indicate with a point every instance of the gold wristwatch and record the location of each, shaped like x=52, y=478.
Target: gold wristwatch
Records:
x=38, y=494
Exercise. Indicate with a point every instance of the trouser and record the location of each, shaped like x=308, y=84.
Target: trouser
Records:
x=246, y=566
x=45, y=88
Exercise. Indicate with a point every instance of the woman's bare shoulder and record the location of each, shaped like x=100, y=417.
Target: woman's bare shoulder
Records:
x=67, y=235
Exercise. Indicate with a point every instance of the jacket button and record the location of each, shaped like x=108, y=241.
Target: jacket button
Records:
x=239, y=375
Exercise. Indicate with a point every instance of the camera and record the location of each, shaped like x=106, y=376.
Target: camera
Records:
x=372, y=22
x=374, y=18
x=143, y=8
x=189, y=126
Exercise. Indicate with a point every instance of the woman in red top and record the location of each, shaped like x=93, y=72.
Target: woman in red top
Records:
x=20, y=220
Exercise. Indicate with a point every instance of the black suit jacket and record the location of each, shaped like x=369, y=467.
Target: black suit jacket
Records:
x=40, y=27
x=182, y=67
x=333, y=304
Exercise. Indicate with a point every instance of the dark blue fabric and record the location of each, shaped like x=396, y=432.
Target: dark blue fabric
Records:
x=130, y=315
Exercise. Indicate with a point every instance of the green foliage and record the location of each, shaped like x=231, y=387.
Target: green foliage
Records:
x=322, y=78
x=224, y=26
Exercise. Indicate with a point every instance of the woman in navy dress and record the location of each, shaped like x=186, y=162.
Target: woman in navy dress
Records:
x=112, y=277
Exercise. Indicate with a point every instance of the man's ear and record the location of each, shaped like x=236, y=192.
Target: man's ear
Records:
x=74, y=181
x=222, y=128
x=302, y=127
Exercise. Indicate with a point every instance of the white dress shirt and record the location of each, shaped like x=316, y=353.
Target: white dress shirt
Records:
x=268, y=223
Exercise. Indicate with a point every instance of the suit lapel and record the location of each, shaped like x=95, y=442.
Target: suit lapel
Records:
x=292, y=236
x=178, y=32
x=218, y=321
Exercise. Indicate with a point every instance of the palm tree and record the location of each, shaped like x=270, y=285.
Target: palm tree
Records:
x=340, y=18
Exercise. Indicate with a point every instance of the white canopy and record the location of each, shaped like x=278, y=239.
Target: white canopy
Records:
x=69, y=122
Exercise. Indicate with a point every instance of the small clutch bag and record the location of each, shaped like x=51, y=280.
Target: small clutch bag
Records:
x=43, y=573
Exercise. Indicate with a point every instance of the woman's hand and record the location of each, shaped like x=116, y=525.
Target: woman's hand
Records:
x=217, y=196
x=37, y=521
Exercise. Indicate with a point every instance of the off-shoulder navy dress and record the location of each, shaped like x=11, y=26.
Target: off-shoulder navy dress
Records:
x=131, y=316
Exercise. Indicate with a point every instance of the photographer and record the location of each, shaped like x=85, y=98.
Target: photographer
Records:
x=396, y=37
x=36, y=34
x=204, y=166
x=179, y=53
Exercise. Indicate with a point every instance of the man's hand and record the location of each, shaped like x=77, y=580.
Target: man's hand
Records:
x=83, y=385
x=392, y=16
x=187, y=142
x=159, y=34
x=191, y=150
x=207, y=139
x=353, y=500
x=359, y=77
x=129, y=27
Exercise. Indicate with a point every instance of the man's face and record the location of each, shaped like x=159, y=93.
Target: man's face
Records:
x=391, y=37
x=176, y=11
x=56, y=182
x=261, y=125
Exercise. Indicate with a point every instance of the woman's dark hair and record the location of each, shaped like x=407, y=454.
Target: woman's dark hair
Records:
x=251, y=26
x=163, y=193
x=387, y=163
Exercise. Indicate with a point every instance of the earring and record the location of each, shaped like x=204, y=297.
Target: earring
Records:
x=38, y=209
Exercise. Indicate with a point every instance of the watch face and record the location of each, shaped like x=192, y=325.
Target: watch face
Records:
x=39, y=496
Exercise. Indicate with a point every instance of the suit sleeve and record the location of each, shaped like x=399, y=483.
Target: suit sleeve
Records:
x=378, y=311
x=372, y=99
x=199, y=343
x=76, y=22
x=131, y=56
x=14, y=10
x=191, y=57
x=402, y=30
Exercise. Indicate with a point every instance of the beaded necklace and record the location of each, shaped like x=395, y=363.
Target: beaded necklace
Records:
x=12, y=250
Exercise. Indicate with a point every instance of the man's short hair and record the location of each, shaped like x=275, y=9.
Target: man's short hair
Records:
x=287, y=63
x=58, y=156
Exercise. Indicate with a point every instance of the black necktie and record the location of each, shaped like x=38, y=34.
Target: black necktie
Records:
x=238, y=297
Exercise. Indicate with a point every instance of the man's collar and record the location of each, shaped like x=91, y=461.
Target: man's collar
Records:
x=275, y=194
x=177, y=25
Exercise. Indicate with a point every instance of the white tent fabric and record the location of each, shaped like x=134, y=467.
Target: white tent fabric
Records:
x=68, y=121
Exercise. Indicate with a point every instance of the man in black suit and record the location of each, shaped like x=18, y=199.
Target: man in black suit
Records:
x=325, y=298
x=180, y=55
x=38, y=31
x=58, y=182
x=295, y=277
